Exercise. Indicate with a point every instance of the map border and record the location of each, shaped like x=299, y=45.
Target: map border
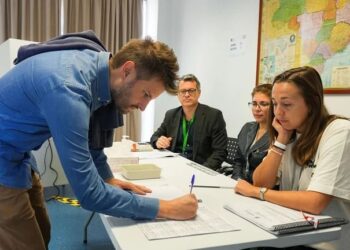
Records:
x=325, y=90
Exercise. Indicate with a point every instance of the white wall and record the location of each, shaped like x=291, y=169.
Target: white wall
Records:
x=338, y=104
x=199, y=31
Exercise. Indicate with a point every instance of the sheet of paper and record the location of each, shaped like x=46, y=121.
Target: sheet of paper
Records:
x=202, y=168
x=206, y=222
x=164, y=191
x=154, y=154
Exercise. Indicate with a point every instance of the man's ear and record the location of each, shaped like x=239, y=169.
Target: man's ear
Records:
x=128, y=67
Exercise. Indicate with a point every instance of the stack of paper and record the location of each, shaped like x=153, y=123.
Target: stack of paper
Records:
x=206, y=222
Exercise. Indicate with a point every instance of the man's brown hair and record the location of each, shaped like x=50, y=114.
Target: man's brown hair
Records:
x=152, y=59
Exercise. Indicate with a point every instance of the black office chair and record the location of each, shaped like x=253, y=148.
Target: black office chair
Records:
x=232, y=149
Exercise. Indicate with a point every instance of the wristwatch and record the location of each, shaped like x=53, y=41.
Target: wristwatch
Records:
x=262, y=192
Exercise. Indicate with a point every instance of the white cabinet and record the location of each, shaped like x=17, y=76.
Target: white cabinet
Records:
x=48, y=162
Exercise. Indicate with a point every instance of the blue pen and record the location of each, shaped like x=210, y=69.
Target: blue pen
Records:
x=192, y=183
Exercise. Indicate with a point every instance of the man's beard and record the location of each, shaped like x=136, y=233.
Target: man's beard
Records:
x=121, y=96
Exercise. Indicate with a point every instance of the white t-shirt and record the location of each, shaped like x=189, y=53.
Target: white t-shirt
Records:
x=329, y=174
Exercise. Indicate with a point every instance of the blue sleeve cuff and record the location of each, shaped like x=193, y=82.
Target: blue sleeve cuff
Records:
x=149, y=208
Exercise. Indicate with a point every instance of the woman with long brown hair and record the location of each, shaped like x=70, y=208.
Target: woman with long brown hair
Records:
x=309, y=157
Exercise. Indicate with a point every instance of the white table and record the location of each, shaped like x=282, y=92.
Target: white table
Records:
x=177, y=172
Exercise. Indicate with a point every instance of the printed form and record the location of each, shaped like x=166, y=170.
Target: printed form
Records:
x=206, y=222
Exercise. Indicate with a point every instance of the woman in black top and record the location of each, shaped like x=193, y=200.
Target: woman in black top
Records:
x=253, y=139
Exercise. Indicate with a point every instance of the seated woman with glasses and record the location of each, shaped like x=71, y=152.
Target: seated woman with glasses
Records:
x=309, y=155
x=253, y=139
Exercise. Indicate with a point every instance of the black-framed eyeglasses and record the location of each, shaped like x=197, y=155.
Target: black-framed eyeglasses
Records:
x=183, y=92
x=258, y=104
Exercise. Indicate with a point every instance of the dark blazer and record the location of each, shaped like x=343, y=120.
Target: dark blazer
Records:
x=248, y=158
x=209, y=134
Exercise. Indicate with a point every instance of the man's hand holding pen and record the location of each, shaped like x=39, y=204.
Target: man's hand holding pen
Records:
x=182, y=208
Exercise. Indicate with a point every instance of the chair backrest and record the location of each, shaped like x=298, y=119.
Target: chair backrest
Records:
x=232, y=148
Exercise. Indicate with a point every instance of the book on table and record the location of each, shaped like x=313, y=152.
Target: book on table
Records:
x=277, y=219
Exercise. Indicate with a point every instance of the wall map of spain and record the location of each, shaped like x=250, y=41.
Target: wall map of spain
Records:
x=306, y=32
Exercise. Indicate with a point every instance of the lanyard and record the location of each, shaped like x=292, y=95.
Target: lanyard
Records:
x=185, y=131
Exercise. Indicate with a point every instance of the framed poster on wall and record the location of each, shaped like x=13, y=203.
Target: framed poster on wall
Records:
x=316, y=33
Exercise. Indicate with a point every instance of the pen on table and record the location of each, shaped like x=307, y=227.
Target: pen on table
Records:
x=192, y=182
x=206, y=186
